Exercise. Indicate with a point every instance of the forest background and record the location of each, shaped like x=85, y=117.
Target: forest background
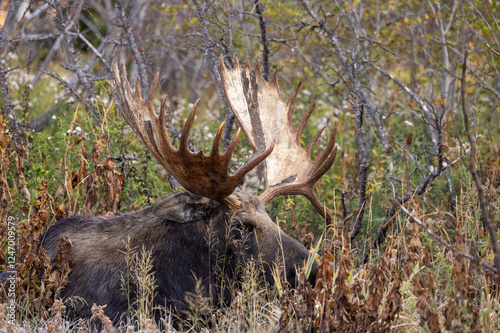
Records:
x=415, y=189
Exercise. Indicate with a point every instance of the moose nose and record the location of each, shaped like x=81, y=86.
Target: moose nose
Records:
x=293, y=278
x=314, y=273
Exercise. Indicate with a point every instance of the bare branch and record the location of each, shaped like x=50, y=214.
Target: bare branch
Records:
x=48, y=58
x=17, y=133
x=263, y=40
x=361, y=101
x=133, y=47
x=415, y=220
x=472, y=167
x=213, y=60
x=61, y=18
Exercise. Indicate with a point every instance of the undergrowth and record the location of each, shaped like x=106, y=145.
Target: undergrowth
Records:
x=413, y=283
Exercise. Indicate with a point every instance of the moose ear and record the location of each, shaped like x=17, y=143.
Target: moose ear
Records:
x=184, y=207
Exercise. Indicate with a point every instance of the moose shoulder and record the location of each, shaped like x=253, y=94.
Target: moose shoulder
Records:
x=204, y=236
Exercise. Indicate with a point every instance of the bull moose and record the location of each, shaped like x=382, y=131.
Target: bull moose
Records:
x=215, y=223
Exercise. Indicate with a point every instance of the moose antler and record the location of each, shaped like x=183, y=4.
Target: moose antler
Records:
x=203, y=175
x=265, y=118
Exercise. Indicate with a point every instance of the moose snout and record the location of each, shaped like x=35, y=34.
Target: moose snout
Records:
x=292, y=273
x=313, y=274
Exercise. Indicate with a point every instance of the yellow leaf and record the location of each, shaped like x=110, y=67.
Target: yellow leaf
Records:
x=439, y=100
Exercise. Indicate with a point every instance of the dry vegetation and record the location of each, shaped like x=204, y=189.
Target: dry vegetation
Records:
x=413, y=86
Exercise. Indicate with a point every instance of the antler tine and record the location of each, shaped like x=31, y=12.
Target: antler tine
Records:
x=203, y=175
x=183, y=144
x=318, y=161
x=274, y=80
x=291, y=104
x=305, y=118
x=151, y=137
x=255, y=160
x=319, y=206
x=218, y=136
x=323, y=168
x=132, y=115
x=305, y=189
x=138, y=90
x=314, y=140
x=265, y=117
x=163, y=120
x=230, y=149
x=322, y=164
x=119, y=79
x=150, y=99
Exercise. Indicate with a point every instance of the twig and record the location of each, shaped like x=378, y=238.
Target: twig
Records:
x=426, y=111
x=344, y=203
x=48, y=58
x=133, y=47
x=96, y=52
x=210, y=44
x=68, y=86
x=4, y=87
x=363, y=171
x=392, y=211
x=361, y=99
x=263, y=39
x=36, y=37
x=472, y=168
x=351, y=70
x=413, y=158
x=402, y=200
x=45, y=118
x=15, y=127
x=453, y=193
x=440, y=240
x=74, y=59
x=403, y=86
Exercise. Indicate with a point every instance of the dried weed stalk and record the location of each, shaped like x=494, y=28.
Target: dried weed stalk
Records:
x=344, y=301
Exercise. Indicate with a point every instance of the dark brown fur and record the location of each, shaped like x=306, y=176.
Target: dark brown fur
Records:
x=191, y=238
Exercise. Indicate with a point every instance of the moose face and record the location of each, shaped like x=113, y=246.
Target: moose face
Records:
x=196, y=227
